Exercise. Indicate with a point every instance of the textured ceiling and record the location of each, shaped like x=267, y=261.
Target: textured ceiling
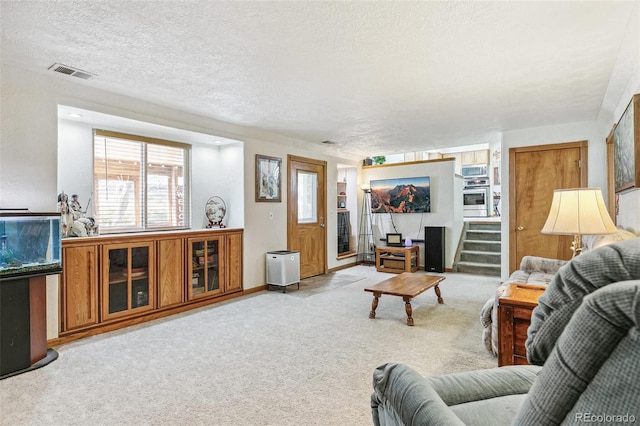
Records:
x=375, y=77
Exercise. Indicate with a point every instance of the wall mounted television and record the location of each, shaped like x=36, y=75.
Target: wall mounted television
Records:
x=401, y=195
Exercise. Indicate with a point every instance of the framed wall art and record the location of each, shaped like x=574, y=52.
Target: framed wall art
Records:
x=626, y=148
x=268, y=178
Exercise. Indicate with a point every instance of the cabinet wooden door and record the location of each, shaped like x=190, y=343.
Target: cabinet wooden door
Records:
x=534, y=172
x=171, y=272
x=80, y=287
x=470, y=158
x=233, y=254
x=206, y=267
x=128, y=279
x=482, y=156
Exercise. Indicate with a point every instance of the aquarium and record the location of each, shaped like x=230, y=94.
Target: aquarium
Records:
x=29, y=244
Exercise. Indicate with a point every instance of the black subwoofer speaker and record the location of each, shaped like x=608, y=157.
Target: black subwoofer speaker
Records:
x=434, y=254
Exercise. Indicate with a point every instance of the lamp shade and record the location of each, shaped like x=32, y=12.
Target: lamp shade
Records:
x=578, y=211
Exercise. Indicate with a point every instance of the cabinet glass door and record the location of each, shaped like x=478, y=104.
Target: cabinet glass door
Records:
x=129, y=280
x=139, y=277
x=206, y=267
x=118, y=273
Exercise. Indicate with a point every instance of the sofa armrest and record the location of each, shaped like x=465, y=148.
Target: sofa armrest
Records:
x=542, y=264
x=401, y=394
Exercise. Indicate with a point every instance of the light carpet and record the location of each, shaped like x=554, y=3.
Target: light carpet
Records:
x=321, y=283
x=270, y=358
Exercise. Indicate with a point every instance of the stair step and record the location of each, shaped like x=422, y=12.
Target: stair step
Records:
x=486, y=257
x=485, y=225
x=476, y=245
x=479, y=268
x=484, y=235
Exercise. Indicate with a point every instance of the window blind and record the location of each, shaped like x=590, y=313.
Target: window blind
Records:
x=140, y=183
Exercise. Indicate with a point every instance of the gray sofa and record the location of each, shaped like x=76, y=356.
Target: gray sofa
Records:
x=535, y=270
x=586, y=333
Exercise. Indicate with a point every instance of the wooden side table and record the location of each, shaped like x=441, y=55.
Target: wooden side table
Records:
x=514, y=317
x=397, y=259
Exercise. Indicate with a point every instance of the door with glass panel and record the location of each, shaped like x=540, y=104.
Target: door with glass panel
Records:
x=306, y=221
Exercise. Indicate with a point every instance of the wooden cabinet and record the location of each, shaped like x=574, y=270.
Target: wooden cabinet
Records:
x=112, y=281
x=233, y=250
x=171, y=271
x=514, y=317
x=79, y=289
x=397, y=259
x=128, y=284
x=470, y=158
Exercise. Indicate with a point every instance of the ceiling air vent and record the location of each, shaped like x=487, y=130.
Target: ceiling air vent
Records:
x=329, y=142
x=74, y=72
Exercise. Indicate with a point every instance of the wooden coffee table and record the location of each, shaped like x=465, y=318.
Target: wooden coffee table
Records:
x=406, y=285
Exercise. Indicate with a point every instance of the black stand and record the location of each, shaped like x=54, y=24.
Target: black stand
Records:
x=23, y=326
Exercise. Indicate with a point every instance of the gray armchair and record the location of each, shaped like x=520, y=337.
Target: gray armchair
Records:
x=586, y=332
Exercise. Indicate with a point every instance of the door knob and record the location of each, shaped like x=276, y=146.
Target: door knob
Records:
x=322, y=225
x=520, y=228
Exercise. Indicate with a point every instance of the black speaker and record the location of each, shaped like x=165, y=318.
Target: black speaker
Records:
x=434, y=254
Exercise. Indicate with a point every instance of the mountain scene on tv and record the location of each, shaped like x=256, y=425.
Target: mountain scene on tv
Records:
x=406, y=195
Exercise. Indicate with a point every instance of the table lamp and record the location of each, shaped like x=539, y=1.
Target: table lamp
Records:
x=577, y=212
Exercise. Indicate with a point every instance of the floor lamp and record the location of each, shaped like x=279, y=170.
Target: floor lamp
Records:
x=577, y=212
x=366, y=244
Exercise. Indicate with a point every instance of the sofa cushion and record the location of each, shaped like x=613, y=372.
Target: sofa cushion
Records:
x=490, y=412
x=583, y=275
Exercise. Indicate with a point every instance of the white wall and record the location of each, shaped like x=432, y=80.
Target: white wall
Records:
x=446, y=205
x=217, y=171
x=29, y=161
x=75, y=161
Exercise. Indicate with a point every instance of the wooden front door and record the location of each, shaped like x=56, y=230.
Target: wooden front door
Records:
x=534, y=172
x=306, y=214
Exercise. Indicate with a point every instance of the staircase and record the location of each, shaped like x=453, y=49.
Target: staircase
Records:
x=479, y=249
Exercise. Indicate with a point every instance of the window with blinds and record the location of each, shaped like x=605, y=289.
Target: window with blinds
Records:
x=139, y=183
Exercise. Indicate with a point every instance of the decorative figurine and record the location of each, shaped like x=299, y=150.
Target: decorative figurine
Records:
x=74, y=222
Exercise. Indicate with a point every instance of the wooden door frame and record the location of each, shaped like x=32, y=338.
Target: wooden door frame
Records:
x=292, y=199
x=582, y=145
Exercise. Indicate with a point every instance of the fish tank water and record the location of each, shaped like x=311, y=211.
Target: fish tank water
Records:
x=30, y=244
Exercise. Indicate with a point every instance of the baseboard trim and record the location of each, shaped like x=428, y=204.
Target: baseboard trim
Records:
x=72, y=335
